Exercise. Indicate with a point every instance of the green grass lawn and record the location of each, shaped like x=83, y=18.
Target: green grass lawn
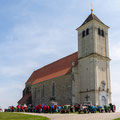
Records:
x=19, y=116
x=117, y=119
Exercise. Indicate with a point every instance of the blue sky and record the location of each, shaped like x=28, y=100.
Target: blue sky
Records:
x=34, y=33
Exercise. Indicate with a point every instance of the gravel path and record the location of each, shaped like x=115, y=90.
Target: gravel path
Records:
x=97, y=116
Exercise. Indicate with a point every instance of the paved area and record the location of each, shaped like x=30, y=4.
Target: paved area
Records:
x=97, y=116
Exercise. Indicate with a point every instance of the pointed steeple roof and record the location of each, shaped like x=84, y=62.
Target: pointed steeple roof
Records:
x=92, y=17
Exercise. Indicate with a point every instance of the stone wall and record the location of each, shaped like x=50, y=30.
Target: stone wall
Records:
x=63, y=91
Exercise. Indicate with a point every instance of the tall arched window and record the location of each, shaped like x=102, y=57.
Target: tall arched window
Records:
x=35, y=93
x=87, y=32
x=83, y=34
x=53, y=89
x=42, y=91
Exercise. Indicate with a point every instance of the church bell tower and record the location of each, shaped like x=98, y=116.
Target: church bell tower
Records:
x=93, y=61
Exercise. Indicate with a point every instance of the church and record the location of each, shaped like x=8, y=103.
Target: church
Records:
x=79, y=77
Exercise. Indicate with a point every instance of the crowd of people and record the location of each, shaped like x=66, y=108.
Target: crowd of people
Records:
x=61, y=108
x=38, y=108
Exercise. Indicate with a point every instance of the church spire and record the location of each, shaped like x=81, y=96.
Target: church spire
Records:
x=91, y=7
x=92, y=17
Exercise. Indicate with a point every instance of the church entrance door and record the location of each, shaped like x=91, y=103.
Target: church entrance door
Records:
x=103, y=100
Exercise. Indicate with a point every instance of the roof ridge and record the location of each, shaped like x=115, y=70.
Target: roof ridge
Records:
x=55, y=61
x=92, y=17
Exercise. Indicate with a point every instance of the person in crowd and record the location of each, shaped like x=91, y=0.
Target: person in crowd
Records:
x=29, y=108
x=71, y=108
x=12, y=108
x=36, y=109
x=32, y=108
x=50, y=109
x=44, y=108
x=81, y=108
x=0, y=109
x=47, y=108
x=25, y=108
x=53, y=109
x=39, y=108
x=18, y=108
x=21, y=108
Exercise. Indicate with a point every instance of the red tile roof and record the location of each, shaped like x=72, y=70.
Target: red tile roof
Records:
x=53, y=70
x=24, y=99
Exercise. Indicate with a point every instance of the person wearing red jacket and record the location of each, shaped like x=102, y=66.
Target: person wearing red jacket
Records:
x=54, y=108
x=36, y=109
x=39, y=108
x=18, y=108
x=47, y=108
x=13, y=108
x=44, y=108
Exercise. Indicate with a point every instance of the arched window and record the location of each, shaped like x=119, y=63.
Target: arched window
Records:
x=83, y=34
x=53, y=89
x=99, y=31
x=87, y=32
x=35, y=93
x=102, y=33
x=42, y=91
